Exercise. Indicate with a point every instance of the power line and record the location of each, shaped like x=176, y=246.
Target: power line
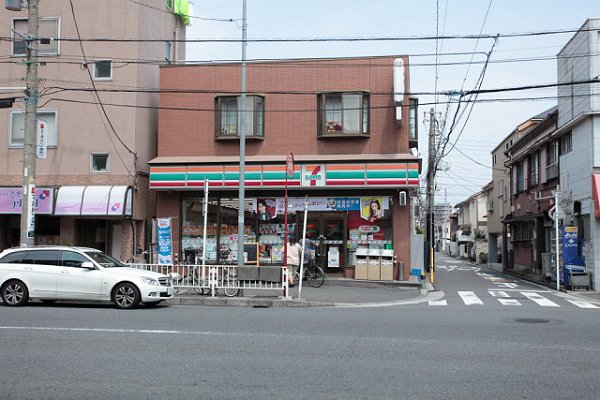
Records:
x=334, y=39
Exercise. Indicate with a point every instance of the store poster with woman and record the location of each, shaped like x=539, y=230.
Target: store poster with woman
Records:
x=266, y=209
x=371, y=208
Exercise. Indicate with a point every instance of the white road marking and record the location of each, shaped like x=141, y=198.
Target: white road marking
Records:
x=509, y=302
x=438, y=303
x=470, y=298
x=582, y=304
x=498, y=293
x=507, y=285
x=539, y=299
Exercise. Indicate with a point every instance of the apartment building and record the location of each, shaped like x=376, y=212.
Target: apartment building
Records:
x=97, y=75
x=578, y=132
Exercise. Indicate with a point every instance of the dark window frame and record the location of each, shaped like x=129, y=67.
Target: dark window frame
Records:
x=332, y=128
x=257, y=130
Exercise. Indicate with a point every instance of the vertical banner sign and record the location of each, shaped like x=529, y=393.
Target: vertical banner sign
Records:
x=41, y=147
x=165, y=246
x=569, y=244
x=31, y=211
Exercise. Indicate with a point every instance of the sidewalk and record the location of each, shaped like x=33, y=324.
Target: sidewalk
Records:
x=336, y=292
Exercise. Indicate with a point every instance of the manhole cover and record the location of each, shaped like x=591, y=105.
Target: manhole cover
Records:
x=532, y=320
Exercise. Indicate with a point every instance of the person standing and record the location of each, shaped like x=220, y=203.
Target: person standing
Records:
x=293, y=259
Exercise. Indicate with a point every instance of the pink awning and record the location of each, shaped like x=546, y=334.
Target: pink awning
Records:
x=595, y=194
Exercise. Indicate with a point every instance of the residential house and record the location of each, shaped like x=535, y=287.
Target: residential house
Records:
x=500, y=199
x=532, y=161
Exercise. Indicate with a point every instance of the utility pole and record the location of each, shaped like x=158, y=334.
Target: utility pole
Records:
x=31, y=100
x=241, y=112
x=430, y=193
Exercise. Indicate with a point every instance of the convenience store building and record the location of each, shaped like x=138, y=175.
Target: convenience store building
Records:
x=353, y=136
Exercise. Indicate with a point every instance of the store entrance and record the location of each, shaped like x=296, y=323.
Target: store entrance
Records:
x=328, y=232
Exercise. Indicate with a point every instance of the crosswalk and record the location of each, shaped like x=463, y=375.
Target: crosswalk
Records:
x=510, y=299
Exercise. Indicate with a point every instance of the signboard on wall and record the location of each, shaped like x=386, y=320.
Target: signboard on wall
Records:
x=313, y=175
x=11, y=200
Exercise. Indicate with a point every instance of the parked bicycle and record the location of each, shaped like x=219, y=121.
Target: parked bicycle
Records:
x=226, y=274
x=313, y=274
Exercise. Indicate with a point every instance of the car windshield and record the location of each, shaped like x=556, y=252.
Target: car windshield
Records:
x=105, y=260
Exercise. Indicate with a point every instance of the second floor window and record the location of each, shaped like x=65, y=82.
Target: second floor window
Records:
x=102, y=70
x=343, y=114
x=17, y=127
x=552, y=164
x=520, y=177
x=227, y=122
x=48, y=28
x=533, y=169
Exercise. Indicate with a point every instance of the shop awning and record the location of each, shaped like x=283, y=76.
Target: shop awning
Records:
x=595, y=194
x=94, y=200
x=382, y=172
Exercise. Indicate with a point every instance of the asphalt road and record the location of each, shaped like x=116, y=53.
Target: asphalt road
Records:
x=418, y=351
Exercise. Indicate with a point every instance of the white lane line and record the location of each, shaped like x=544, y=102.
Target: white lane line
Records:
x=582, y=304
x=106, y=330
x=509, y=302
x=438, y=303
x=498, y=293
x=470, y=298
x=539, y=299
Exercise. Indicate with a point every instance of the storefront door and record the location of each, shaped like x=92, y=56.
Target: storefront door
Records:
x=328, y=231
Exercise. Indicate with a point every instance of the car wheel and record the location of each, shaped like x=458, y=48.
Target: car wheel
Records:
x=126, y=295
x=14, y=293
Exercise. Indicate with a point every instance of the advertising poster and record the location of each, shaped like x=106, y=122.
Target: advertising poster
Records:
x=165, y=246
x=266, y=209
x=371, y=208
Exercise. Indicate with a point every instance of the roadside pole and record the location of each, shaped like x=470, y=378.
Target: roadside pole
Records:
x=430, y=193
x=31, y=100
x=304, y=244
x=205, y=211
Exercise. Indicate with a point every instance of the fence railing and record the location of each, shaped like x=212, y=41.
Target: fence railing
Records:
x=211, y=278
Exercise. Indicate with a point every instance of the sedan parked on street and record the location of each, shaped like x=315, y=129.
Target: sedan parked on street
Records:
x=52, y=273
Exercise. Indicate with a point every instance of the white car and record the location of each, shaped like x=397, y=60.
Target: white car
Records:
x=52, y=273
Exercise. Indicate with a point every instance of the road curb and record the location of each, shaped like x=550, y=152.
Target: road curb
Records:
x=278, y=302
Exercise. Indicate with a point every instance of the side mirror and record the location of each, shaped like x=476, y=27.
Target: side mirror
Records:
x=88, y=265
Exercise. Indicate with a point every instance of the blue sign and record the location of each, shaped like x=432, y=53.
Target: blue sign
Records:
x=165, y=247
x=344, y=203
x=569, y=244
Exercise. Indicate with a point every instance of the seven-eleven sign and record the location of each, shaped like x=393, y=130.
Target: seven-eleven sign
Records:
x=313, y=175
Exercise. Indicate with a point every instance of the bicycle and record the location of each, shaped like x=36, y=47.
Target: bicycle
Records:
x=313, y=274
x=228, y=277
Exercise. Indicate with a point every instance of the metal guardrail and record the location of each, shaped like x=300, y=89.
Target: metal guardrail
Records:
x=211, y=278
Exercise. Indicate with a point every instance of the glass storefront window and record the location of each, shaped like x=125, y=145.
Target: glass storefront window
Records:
x=193, y=228
x=345, y=223
x=228, y=239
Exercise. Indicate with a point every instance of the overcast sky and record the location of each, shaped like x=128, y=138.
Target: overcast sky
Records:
x=516, y=61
